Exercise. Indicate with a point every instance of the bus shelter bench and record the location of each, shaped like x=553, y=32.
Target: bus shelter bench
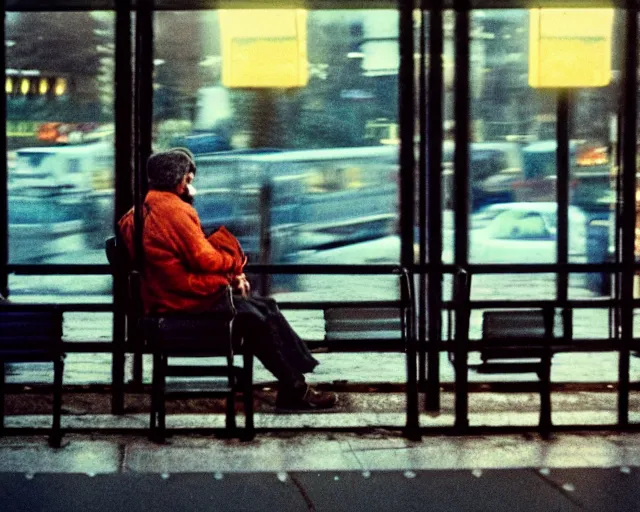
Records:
x=195, y=336
x=366, y=327
x=516, y=341
x=519, y=341
x=29, y=334
x=513, y=341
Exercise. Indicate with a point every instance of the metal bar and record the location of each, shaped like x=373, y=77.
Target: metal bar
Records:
x=461, y=203
x=493, y=268
x=435, y=136
x=123, y=90
x=535, y=268
x=343, y=304
x=142, y=114
x=175, y=5
x=382, y=345
x=143, y=126
x=409, y=337
x=562, y=198
x=615, y=312
x=105, y=307
x=629, y=144
x=4, y=202
x=506, y=303
x=462, y=133
x=123, y=189
x=406, y=105
x=325, y=269
x=422, y=198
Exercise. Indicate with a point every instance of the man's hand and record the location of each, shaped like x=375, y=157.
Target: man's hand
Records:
x=241, y=283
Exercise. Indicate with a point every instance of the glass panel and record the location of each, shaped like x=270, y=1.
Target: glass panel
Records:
x=59, y=91
x=591, y=323
x=512, y=154
x=60, y=288
x=513, y=287
x=594, y=163
x=329, y=150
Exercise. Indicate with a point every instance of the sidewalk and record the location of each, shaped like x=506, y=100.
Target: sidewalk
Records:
x=322, y=472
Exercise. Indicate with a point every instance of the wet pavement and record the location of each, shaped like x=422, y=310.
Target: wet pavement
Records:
x=309, y=472
x=378, y=470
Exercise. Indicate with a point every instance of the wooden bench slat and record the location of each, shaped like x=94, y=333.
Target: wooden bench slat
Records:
x=364, y=326
x=527, y=324
x=363, y=335
x=362, y=314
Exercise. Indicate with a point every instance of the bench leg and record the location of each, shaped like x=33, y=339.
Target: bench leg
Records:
x=545, y=400
x=162, y=406
x=2, y=385
x=156, y=396
x=154, y=400
x=56, y=434
x=412, y=430
x=230, y=420
x=247, y=394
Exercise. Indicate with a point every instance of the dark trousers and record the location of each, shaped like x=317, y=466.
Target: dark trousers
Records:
x=266, y=332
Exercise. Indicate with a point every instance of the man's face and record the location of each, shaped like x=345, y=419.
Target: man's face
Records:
x=186, y=190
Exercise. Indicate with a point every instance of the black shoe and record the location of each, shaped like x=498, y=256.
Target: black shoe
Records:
x=305, y=399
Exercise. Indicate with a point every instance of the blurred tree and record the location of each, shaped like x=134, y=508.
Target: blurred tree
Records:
x=66, y=44
x=181, y=40
x=327, y=112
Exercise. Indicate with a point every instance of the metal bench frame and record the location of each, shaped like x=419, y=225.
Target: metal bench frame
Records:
x=355, y=327
x=187, y=335
x=499, y=344
x=33, y=334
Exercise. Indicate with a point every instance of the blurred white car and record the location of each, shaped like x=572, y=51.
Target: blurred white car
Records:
x=500, y=233
x=525, y=233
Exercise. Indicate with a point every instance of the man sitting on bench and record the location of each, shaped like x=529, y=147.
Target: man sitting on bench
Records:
x=186, y=271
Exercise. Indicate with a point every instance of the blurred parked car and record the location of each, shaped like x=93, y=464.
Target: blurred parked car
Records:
x=500, y=233
x=525, y=233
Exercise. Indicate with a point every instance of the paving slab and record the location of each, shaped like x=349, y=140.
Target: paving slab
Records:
x=77, y=456
x=268, y=454
x=520, y=490
x=157, y=492
x=495, y=490
x=599, y=489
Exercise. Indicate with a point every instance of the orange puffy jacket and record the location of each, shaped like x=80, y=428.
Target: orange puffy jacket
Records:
x=182, y=269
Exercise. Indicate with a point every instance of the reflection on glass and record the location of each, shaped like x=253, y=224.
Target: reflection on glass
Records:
x=513, y=189
x=326, y=152
x=59, y=90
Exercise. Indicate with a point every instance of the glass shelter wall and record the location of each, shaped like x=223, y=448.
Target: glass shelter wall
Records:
x=327, y=151
x=312, y=173
x=60, y=141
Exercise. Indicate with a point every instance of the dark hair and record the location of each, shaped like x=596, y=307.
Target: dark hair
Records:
x=166, y=169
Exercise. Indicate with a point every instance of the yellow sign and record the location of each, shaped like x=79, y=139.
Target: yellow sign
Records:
x=570, y=47
x=264, y=48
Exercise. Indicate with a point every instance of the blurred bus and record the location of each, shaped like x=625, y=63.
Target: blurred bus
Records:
x=60, y=200
x=319, y=198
